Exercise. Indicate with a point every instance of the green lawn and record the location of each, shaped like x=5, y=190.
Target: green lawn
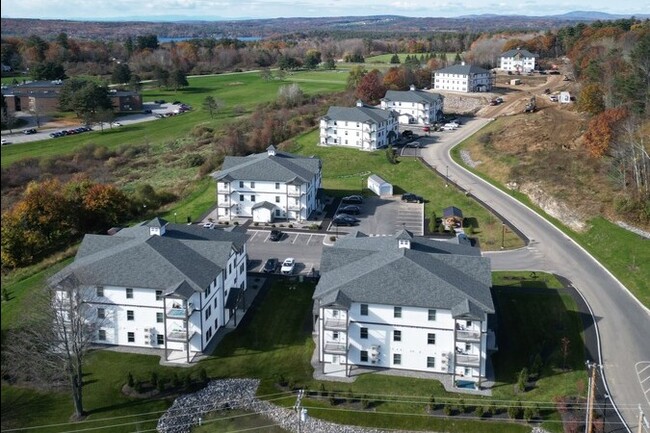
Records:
x=346, y=170
x=385, y=58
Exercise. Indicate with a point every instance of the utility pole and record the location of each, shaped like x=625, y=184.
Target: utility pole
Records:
x=591, y=397
x=299, y=409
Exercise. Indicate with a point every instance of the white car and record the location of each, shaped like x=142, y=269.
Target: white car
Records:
x=288, y=265
x=453, y=125
x=5, y=141
x=208, y=225
x=116, y=124
x=448, y=127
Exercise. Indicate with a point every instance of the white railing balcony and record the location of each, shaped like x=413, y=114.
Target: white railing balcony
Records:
x=225, y=204
x=176, y=313
x=223, y=189
x=295, y=193
x=180, y=335
x=336, y=324
x=296, y=207
x=334, y=347
x=472, y=360
x=468, y=335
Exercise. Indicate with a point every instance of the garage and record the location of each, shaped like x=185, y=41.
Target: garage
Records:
x=379, y=186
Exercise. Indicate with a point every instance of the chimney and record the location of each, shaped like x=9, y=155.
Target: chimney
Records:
x=270, y=150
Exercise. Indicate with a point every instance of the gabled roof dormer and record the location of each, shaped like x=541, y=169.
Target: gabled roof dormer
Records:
x=157, y=226
x=404, y=238
x=270, y=150
x=359, y=103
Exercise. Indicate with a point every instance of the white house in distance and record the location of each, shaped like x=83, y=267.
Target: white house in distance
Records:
x=160, y=285
x=400, y=302
x=268, y=186
x=414, y=106
x=463, y=78
x=361, y=127
x=517, y=60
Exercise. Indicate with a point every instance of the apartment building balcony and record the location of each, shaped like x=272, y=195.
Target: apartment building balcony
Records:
x=335, y=348
x=469, y=360
x=223, y=189
x=226, y=204
x=468, y=335
x=295, y=193
x=298, y=206
x=180, y=335
x=179, y=312
x=336, y=324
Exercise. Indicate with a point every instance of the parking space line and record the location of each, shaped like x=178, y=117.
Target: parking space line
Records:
x=644, y=369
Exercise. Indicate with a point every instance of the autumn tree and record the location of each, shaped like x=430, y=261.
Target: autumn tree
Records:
x=371, y=88
x=590, y=99
x=355, y=76
x=290, y=95
x=394, y=79
x=600, y=132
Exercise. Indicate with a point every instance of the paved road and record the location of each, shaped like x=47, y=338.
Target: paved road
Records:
x=623, y=323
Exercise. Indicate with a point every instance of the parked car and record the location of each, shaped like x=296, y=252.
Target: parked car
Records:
x=116, y=124
x=499, y=101
x=412, y=198
x=270, y=266
x=276, y=235
x=288, y=265
x=344, y=220
x=426, y=129
x=159, y=101
x=208, y=225
x=352, y=199
x=493, y=102
x=553, y=98
x=413, y=144
x=5, y=141
x=350, y=209
x=407, y=134
x=29, y=131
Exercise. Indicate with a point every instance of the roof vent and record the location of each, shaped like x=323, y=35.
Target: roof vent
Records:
x=271, y=150
x=359, y=103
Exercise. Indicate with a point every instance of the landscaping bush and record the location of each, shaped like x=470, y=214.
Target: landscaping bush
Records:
x=365, y=402
x=154, y=379
x=203, y=376
x=332, y=238
x=479, y=411
x=129, y=380
x=161, y=385
x=193, y=160
x=448, y=409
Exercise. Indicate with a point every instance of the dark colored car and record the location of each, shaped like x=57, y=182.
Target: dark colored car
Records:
x=276, y=235
x=344, y=220
x=270, y=266
x=350, y=209
x=159, y=101
x=412, y=198
x=29, y=131
x=407, y=134
x=352, y=199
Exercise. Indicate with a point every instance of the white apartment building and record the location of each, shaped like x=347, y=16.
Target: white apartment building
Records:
x=361, y=127
x=517, y=60
x=404, y=303
x=268, y=186
x=414, y=106
x=463, y=78
x=160, y=286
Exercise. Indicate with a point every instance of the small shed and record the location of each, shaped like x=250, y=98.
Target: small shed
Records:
x=515, y=82
x=565, y=98
x=452, y=217
x=263, y=212
x=379, y=186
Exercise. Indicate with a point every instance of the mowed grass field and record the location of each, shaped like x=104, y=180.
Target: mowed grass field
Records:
x=385, y=58
x=272, y=347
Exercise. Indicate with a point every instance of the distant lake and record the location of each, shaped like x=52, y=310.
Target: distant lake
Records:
x=163, y=39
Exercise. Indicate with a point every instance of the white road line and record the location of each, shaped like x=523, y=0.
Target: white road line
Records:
x=296, y=238
x=643, y=369
x=646, y=392
x=645, y=379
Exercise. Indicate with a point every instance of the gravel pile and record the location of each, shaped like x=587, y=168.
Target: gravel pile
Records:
x=189, y=410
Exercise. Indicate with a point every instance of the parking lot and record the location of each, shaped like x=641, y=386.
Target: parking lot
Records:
x=306, y=248
x=384, y=216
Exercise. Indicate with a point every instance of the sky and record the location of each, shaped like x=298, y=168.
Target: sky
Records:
x=242, y=9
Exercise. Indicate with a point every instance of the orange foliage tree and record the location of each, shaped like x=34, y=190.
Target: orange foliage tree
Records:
x=600, y=133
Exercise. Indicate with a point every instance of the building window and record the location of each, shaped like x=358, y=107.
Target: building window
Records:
x=397, y=358
x=431, y=338
x=160, y=339
x=129, y=293
x=159, y=317
x=468, y=347
x=252, y=198
x=277, y=199
x=241, y=197
x=335, y=313
x=241, y=183
x=431, y=362
x=241, y=268
x=130, y=315
x=216, y=324
x=397, y=335
x=432, y=315
x=363, y=333
x=131, y=337
x=335, y=335
x=252, y=184
x=102, y=335
x=468, y=371
x=207, y=292
x=158, y=295
x=101, y=313
x=363, y=309
x=208, y=334
x=363, y=356
x=208, y=312
x=100, y=292
x=468, y=324
x=277, y=185
x=397, y=312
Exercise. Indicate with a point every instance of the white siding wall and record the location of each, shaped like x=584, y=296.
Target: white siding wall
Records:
x=421, y=113
x=364, y=136
x=524, y=64
x=461, y=83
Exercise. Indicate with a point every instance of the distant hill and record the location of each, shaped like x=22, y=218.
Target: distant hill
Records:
x=201, y=27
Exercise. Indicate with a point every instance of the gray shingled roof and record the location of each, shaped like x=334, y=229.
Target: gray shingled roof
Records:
x=281, y=167
x=359, y=114
x=417, y=96
x=265, y=204
x=462, y=70
x=431, y=274
x=452, y=211
x=512, y=53
x=132, y=258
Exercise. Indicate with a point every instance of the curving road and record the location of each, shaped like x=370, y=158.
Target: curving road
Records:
x=623, y=323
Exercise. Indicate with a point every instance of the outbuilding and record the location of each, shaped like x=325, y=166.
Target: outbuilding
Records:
x=565, y=98
x=379, y=186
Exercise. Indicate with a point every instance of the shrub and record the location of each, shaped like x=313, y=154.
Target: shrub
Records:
x=137, y=386
x=314, y=227
x=161, y=385
x=203, y=376
x=522, y=380
x=256, y=224
x=290, y=226
x=448, y=409
x=365, y=402
x=154, y=379
x=236, y=223
x=515, y=411
x=332, y=238
x=529, y=413
x=129, y=380
x=332, y=399
x=479, y=411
